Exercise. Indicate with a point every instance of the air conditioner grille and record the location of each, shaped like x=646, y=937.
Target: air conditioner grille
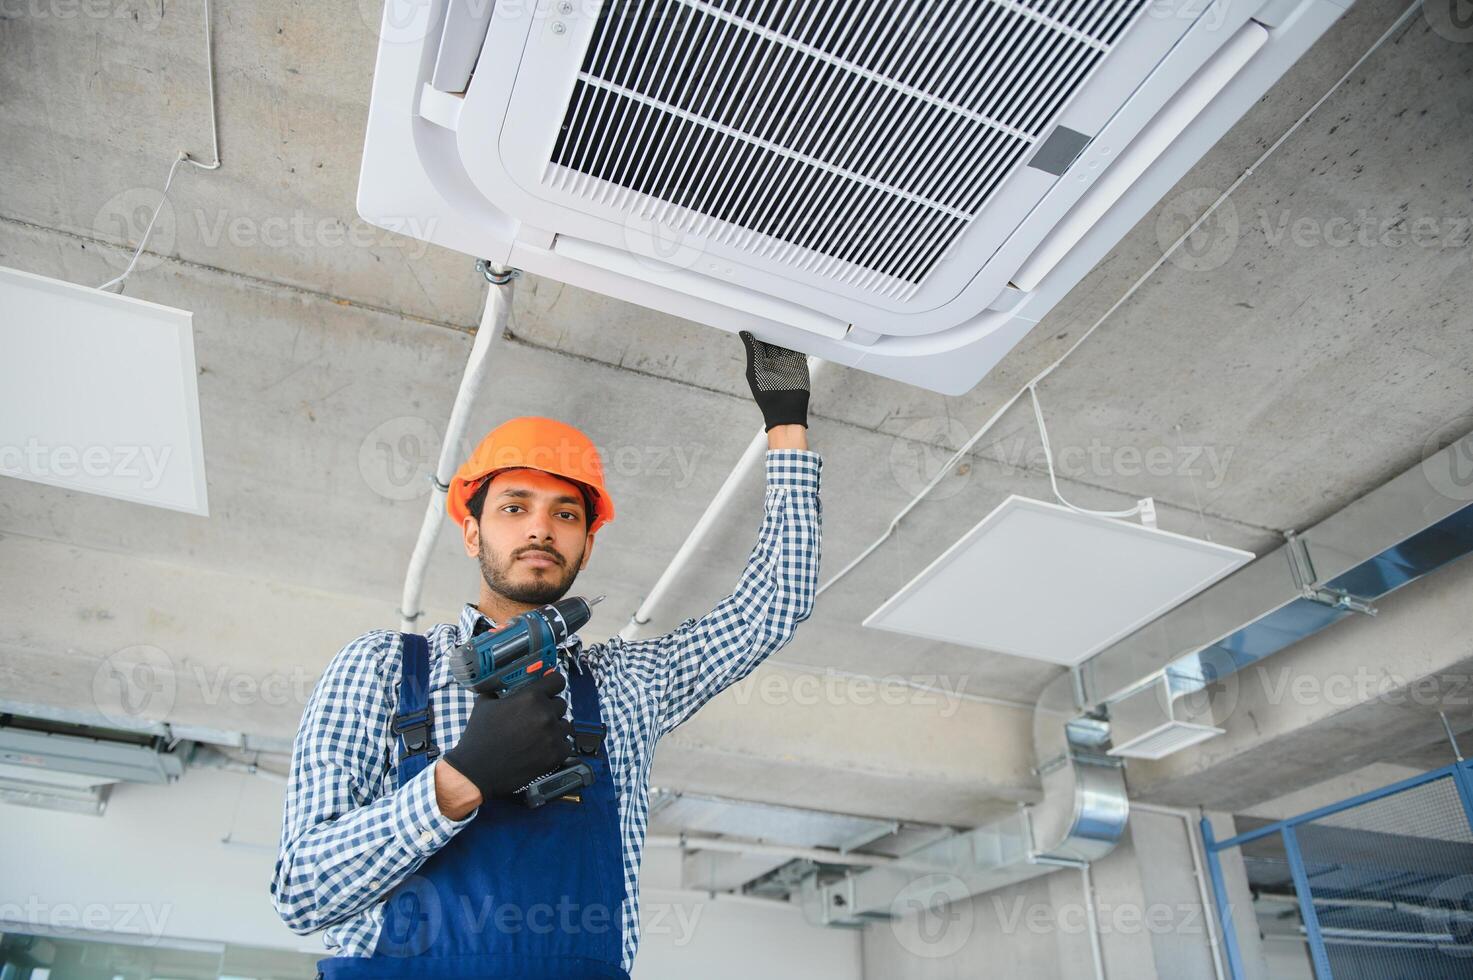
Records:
x=855, y=140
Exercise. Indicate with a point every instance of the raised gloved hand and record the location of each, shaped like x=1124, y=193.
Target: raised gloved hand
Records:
x=779, y=381
x=509, y=741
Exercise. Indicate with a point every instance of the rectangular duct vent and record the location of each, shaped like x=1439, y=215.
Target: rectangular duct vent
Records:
x=1167, y=738
x=1167, y=715
x=857, y=139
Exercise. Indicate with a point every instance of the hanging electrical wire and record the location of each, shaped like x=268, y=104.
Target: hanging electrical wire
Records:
x=183, y=157
x=1142, y=507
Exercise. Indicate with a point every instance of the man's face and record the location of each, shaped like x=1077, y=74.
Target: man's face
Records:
x=532, y=538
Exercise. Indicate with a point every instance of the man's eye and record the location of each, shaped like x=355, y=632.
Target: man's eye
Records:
x=564, y=513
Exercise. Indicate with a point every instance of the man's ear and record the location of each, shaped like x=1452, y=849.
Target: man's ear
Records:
x=470, y=530
x=587, y=550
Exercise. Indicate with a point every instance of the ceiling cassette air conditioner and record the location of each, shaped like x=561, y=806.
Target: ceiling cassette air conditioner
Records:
x=905, y=188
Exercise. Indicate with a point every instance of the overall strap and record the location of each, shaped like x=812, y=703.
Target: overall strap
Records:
x=413, y=722
x=588, y=727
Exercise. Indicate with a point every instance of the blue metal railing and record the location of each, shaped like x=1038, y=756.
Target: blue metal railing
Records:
x=1382, y=881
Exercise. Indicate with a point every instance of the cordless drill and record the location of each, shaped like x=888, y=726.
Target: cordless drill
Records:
x=497, y=663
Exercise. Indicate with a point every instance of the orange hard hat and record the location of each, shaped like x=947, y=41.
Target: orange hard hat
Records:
x=533, y=443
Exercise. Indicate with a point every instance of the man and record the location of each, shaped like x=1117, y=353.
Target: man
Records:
x=417, y=858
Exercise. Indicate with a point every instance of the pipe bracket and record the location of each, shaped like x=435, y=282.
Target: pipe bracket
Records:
x=496, y=275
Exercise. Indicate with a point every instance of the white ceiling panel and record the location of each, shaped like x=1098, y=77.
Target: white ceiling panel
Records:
x=98, y=393
x=1039, y=580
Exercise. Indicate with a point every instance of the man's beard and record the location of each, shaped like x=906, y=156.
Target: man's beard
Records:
x=538, y=591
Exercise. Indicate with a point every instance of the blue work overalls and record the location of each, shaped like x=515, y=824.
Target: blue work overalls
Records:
x=534, y=894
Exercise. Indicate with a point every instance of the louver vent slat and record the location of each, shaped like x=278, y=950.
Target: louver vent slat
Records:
x=854, y=140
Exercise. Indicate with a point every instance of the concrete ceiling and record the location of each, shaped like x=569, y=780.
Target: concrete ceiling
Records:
x=1257, y=382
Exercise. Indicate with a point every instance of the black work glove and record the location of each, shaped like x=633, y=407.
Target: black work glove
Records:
x=508, y=742
x=778, y=378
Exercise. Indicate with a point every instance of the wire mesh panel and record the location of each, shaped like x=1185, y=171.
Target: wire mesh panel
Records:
x=1276, y=904
x=1378, y=887
x=1391, y=881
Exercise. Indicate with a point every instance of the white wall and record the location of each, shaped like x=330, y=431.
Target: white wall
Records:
x=1033, y=930
x=1147, y=907
x=156, y=864
x=732, y=941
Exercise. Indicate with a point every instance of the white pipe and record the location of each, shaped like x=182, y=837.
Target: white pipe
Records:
x=493, y=323
x=822, y=855
x=210, y=757
x=1094, y=922
x=755, y=452
x=210, y=80
x=1194, y=844
x=1373, y=939
x=691, y=894
x=1383, y=904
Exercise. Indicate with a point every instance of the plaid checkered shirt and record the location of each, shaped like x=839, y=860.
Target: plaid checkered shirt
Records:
x=349, y=835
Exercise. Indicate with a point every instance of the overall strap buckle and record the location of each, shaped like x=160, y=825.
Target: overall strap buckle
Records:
x=588, y=736
x=414, y=721
x=415, y=727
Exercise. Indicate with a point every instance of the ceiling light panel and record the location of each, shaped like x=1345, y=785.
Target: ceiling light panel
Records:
x=1039, y=580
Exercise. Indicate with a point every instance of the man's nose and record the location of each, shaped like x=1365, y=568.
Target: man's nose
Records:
x=539, y=528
